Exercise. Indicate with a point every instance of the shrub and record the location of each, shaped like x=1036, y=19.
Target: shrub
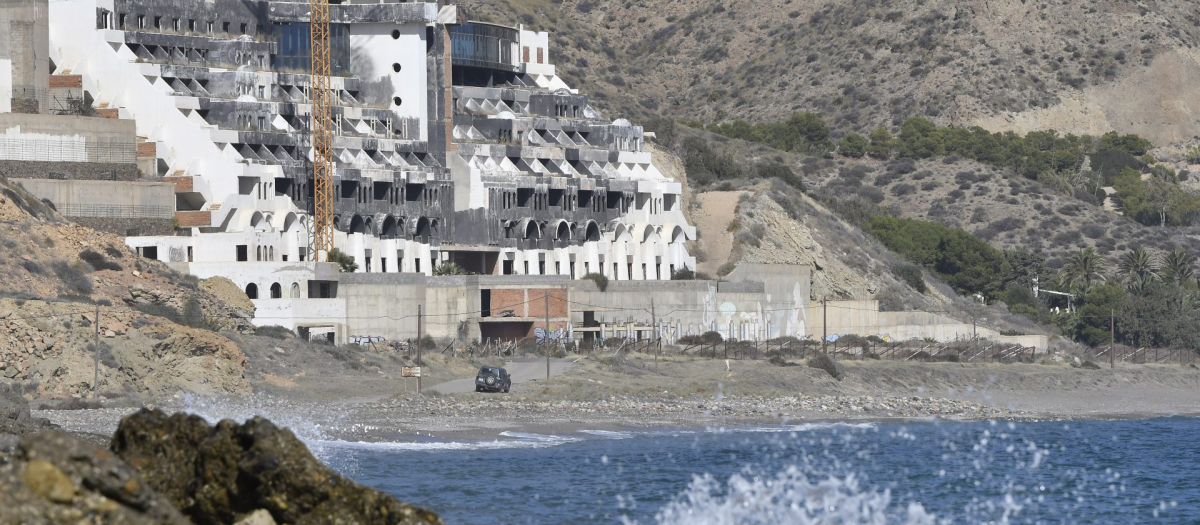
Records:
x=901, y=190
x=852, y=145
x=967, y=263
x=707, y=338
x=600, y=280
x=114, y=252
x=344, y=260
x=449, y=269
x=1089, y=365
x=275, y=332
x=686, y=274
x=829, y=365
x=911, y=275
x=33, y=267
x=73, y=277
x=99, y=261
x=779, y=361
x=726, y=269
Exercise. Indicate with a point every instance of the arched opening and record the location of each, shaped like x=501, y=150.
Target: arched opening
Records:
x=593, y=232
x=259, y=222
x=276, y=291
x=358, y=225
x=677, y=234
x=271, y=254
x=252, y=291
x=563, y=233
x=389, y=228
x=421, y=230
x=295, y=290
x=289, y=222
x=433, y=228
x=531, y=231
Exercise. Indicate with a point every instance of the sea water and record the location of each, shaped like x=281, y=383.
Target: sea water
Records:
x=1088, y=472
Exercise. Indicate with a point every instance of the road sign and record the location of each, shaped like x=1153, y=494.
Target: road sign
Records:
x=410, y=371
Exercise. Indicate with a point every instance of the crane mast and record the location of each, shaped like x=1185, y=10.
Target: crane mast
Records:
x=322, y=132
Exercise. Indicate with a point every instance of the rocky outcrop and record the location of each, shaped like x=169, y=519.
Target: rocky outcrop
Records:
x=52, y=477
x=223, y=474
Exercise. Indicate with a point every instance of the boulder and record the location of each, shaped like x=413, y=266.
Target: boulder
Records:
x=56, y=478
x=216, y=475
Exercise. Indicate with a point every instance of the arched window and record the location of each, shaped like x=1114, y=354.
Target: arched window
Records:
x=252, y=291
x=295, y=290
x=272, y=257
x=276, y=291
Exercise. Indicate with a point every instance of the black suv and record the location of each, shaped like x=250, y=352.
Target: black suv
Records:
x=492, y=379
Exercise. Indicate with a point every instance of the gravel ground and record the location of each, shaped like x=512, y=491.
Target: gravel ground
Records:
x=600, y=393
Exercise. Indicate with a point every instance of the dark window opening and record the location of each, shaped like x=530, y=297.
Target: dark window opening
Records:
x=524, y=195
x=507, y=267
x=243, y=253
x=252, y=291
x=412, y=192
x=614, y=200
x=485, y=303
x=556, y=197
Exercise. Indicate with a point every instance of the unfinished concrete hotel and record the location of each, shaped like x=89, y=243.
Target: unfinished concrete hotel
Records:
x=185, y=126
x=455, y=142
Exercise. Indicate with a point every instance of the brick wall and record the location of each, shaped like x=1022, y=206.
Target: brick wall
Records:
x=66, y=81
x=182, y=184
x=194, y=219
x=530, y=302
x=504, y=299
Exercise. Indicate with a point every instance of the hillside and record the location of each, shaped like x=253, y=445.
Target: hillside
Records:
x=157, y=329
x=1004, y=64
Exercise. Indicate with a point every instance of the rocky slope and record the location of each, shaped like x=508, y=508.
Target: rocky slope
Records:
x=1006, y=64
x=157, y=329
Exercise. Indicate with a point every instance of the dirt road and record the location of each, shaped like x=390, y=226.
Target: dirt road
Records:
x=521, y=370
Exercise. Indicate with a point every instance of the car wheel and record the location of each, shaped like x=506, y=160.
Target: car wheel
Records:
x=506, y=388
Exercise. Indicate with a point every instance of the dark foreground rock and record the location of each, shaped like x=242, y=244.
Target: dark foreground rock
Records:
x=222, y=474
x=53, y=477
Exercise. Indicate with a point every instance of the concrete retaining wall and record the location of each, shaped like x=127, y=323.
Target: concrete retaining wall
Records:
x=67, y=138
x=106, y=199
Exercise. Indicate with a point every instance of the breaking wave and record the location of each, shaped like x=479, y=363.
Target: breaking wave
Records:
x=787, y=497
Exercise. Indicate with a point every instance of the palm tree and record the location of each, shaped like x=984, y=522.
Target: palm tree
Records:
x=1083, y=269
x=1177, y=266
x=1138, y=265
x=1139, y=284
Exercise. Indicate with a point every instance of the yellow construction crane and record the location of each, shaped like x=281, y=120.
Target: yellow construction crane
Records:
x=322, y=132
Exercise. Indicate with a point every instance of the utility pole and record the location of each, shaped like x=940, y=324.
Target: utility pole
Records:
x=657, y=334
x=419, y=344
x=824, y=325
x=96, y=357
x=1112, y=338
x=974, y=336
x=546, y=298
